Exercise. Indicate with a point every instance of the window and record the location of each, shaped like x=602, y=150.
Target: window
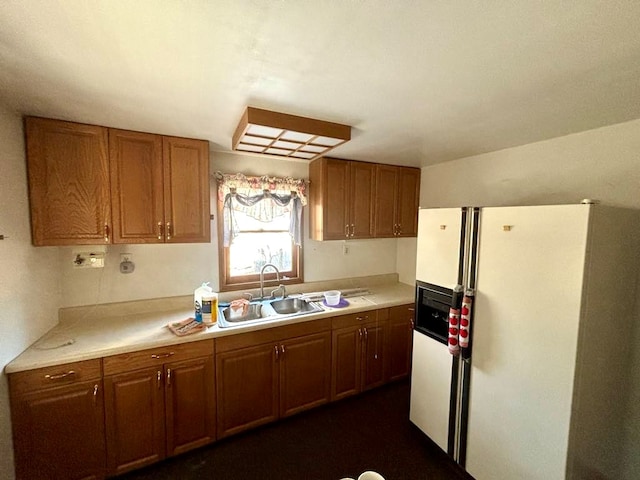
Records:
x=260, y=223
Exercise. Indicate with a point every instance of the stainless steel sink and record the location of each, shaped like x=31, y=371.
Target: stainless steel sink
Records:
x=268, y=310
x=288, y=306
x=254, y=312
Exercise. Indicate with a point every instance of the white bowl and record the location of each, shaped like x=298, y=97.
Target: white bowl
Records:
x=332, y=297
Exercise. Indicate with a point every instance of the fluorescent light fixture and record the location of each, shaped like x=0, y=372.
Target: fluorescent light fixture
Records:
x=289, y=136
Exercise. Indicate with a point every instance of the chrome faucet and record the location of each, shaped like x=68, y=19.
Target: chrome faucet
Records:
x=262, y=277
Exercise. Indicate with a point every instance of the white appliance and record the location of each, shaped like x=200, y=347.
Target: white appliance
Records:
x=540, y=392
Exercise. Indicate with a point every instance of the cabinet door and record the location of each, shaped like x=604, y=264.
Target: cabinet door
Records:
x=373, y=355
x=186, y=190
x=361, y=189
x=408, y=202
x=136, y=187
x=247, y=388
x=68, y=169
x=346, y=361
x=190, y=404
x=336, y=199
x=134, y=414
x=385, y=201
x=59, y=433
x=305, y=373
x=399, y=342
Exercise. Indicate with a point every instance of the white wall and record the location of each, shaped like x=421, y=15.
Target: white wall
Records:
x=602, y=164
x=29, y=276
x=171, y=270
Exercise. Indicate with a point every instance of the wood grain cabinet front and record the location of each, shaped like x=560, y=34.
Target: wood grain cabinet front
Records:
x=159, y=188
x=397, y=196
x=259, y=384
x=399, y=342
x=97, y=185
x=68, y=172
x=170, y=403
x=358, y=353
x=58, y=422
x=341, y=199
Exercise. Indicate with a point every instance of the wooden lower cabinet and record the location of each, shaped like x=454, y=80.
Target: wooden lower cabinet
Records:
x=161, y=410
x=359, y=346
x=247, y=388
x=135, y=420
x=305, y=372
x=189, y=404
x=399, y=342
x=259, y=384
x=58, y=431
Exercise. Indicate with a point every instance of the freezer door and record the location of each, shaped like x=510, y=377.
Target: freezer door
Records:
x=438, y=255
x=430, y=388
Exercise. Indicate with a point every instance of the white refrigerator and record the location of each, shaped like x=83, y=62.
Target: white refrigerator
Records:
x=540, y=392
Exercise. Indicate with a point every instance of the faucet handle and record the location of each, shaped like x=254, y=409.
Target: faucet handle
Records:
x=280, y=287
x=248, y=295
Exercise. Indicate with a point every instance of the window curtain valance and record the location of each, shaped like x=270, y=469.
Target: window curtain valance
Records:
x=262, y=198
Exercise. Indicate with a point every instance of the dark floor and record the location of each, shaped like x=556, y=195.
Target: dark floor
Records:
x=343, y=439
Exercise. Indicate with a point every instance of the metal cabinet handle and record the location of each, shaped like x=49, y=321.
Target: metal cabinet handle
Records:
x=106, y=232
x=399, y=229
x=168, y=377
x=162, y=355
x=282, y=349
x=412, y=324
x=159, y=378
x=168, y=230
x=360, y=333
x=346, y=230
x=277, y=353
x=353, y=229
x=59, y=376
x=160, y=231
x=366, y=335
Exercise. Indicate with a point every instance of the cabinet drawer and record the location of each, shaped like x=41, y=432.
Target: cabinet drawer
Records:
x=354, y=319
x=271, y=335
x=55, y=376
x=152, y=357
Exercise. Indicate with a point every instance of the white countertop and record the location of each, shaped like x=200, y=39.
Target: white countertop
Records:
x=104, y=334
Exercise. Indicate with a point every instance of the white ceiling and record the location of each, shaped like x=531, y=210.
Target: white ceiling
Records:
x=420, y=82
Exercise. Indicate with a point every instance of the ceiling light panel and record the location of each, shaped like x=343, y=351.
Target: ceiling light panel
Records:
x=289, y=136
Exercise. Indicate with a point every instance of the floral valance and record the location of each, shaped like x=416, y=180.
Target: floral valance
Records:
x=238, y=182
x=262, y=198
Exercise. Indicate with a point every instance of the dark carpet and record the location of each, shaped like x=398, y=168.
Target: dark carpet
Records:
x=342, y=439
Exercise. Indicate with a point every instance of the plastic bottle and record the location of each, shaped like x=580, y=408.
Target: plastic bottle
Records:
x=198, y=295
x=210, y=307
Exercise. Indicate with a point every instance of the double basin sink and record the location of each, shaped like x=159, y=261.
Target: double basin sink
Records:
x=269, y=309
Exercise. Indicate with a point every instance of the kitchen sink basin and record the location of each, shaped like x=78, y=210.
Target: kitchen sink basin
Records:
x=268, y=310
x=254, y=312
x=288, y=306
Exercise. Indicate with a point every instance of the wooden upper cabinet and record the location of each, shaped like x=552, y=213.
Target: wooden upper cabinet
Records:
x=386, y=194
x=361, y=187
x=341, y=199
x=408, y=201
x=397, y=197
x=186, y=190
x=136, y=187
x=156, y=187
x=68, y=170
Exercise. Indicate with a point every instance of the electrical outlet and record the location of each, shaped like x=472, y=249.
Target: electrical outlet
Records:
x=88, y=259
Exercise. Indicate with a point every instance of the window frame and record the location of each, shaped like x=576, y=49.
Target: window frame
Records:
x=247, y=282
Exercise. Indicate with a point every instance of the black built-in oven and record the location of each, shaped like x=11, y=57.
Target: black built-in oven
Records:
x=432, y=309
